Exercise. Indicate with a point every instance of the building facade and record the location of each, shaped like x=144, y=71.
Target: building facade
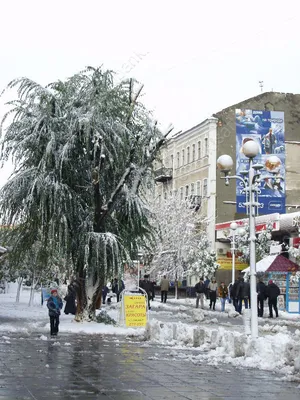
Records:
x=187, y=167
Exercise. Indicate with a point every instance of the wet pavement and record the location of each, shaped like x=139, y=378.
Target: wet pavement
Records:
x=97, y=367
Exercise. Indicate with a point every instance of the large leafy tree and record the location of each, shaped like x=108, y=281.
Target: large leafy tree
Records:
x=81, y=149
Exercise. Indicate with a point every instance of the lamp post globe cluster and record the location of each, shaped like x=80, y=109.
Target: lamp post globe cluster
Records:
x=250, y=183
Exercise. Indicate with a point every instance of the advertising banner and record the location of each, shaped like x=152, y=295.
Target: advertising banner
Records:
x=267, y=129
x=135, y=310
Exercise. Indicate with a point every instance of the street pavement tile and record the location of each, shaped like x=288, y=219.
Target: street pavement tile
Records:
x=97, y=368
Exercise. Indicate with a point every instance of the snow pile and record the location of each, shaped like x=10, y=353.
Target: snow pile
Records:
x=278, y=352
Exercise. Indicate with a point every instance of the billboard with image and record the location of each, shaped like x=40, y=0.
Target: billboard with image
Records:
x=267, y=129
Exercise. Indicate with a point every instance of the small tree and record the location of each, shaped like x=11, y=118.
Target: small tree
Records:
x=180, y=248
x=263, y=243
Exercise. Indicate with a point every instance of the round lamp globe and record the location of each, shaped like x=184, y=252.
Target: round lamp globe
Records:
x=225, y=163
x=251, y=148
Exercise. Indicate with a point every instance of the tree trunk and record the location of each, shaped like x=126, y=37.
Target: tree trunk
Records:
x=31, y=298
x=20, y=281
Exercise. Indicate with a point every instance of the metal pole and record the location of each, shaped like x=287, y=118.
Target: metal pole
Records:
x=253, y=293
x=138, y=281
x=233, y=257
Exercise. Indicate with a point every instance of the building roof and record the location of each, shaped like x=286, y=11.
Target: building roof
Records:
x=251, y=99
x=283, y=264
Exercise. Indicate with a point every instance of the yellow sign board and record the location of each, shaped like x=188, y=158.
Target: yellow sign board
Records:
x=135, y=310
x=226, y=263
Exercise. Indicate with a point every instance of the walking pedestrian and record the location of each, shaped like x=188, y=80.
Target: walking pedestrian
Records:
x=223, y=294
x=117, y=287
x=261, y=297
x=233, y=294
x=70, y=299
x=147, y=286
x=164, y=288
x=200, y=292
x=273, y=292
x=54, y=305
x=213, y=286
x=240, y=295
x=206, y=283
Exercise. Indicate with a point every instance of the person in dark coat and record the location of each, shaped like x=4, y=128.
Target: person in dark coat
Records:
x=70, y=299
x=147, y=286
x=54, y=305
x=261, y=297
x=233, y=294
x=241, y=294
x=273, y=292
x=206, y=284
x=247, y=295
x=117, y=287
x=200, y=292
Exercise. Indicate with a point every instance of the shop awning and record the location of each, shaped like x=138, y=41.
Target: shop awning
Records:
x=262, y=265
x=283, y=264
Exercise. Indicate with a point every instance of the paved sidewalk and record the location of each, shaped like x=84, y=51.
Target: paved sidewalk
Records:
x=93, y=367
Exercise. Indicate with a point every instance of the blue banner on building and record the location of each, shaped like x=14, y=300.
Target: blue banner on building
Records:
x=267, y=129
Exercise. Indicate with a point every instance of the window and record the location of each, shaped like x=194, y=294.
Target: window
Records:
x=178, y=159
x=188, y=155
x=192, y=189
x=206, y=146
x=205, y=188
x=193, y=152
x=181, y=193
x=182, y=157
x=187, y=191
x=199, y=149
x=198, y=188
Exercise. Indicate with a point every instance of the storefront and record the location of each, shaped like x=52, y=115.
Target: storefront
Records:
x=284, y=273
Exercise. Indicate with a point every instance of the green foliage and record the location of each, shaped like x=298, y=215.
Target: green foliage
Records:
x=104, y=318
x=81, y=149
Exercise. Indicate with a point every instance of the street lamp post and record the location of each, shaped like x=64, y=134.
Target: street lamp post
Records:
x=250, y=182
x=233, y=227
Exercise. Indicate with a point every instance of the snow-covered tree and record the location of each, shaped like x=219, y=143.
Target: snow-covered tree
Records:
x=263, y=243
x=81, y=149
x=181, y=247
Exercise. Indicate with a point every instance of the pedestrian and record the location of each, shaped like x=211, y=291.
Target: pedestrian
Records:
x=223, y=294
x=206, y=283
x=273, y=292
x=200, y=292
x=241, y=295
x=233, y=294
x=147, y=286
x=247, y=294
x=164, y=288
x=54, y=305
x=261, y=297
x=70, y=299
x=213, y=286
x=117, y=287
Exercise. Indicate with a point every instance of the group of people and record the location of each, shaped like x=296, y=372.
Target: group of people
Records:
x=239, y=294
x=210, y=290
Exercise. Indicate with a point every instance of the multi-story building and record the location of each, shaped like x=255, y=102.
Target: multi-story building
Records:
x=188, y=166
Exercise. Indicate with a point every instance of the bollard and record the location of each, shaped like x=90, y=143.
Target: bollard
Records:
x=247, y=321
x=174, y=332
x=198, y=337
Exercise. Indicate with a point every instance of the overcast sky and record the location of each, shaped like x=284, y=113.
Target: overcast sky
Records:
x=194, y=57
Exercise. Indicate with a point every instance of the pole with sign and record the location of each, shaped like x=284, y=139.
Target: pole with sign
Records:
x=134, y=309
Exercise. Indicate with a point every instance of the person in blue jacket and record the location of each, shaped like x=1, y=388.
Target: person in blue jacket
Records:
x=54, y=305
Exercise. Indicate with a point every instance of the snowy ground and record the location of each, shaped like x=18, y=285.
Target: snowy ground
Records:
x=219, y=338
